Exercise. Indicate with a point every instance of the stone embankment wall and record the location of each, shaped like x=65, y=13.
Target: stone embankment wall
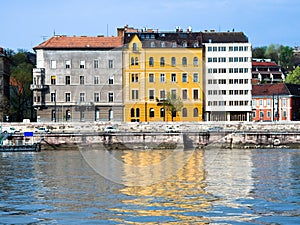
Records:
x=158, y=135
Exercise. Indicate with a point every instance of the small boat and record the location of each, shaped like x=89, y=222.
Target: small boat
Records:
x=26, y=143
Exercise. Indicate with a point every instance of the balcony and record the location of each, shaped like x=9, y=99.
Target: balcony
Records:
x=38, y=87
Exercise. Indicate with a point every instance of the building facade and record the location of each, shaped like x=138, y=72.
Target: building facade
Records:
x=4, y=86
x=78, y=79
x=162, y=75
x=276, y=102
x=266, y=71
x=227, y=76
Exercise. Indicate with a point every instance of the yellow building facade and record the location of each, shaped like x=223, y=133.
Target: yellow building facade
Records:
x=162, y=77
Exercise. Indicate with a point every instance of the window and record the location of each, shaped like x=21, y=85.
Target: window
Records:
x=162, y=78
x=162, y=95
x=82, y=64
x=111, y=80
x=110, y=64
x=110, y=97
x=68, y=64
x=152, y=44
x=230, y=59
x=135, y=47
x=196, y=94
x=231, y=49
x=268, y=114
x=184, y=61
x=151, y=95
x=53, y=64
x=162, y=44
x=184, y=44
x=81, y=115
x=96, y=80
x=68, y=97
x=81, y=79
x=53, y=80
x=151, y=112
x=132, y=61
x=173, y=94
x=151, y=77
x=184, y=94
x=137, y=112
x=184, y=112
x=81, y=97
x=245, y=48
x=96, y=64
x=68, y=80
x=151, y=61
x=174, y=44
x=215, y=59
x=162, y=112
x=132, y=112
x=209, y=49
x=134, y=94
x=195, y=61
x=173, y=61
x=195, y=112
x=136, y=61
x=195, y=77
x=134, y=78
x=173, y=77
x=215, y=49
x=53, y=97
x=96, y=97
x=209, y=59
x=162, y=61
x=184, y=77
x=235, y=48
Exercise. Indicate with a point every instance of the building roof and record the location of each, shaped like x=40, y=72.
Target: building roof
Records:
x=224, y=37
x=264, y=64
x=81, y=42
x=275, y=89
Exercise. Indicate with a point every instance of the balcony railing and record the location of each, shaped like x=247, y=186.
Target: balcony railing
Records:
x=38, y=87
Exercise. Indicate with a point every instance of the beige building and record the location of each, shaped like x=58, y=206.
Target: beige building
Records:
x=78, y=79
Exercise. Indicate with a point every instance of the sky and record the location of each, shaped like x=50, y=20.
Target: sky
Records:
x=26, y=24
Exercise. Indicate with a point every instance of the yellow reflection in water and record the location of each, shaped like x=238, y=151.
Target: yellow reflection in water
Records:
x=180, y=188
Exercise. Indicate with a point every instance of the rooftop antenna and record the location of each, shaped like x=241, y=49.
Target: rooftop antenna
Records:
x=54, y=32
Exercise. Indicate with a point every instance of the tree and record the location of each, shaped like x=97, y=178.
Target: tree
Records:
x=259, y=52
x=286, y=57
x=21, y=78
x=293, y=77
x=172, y=105
x=272, y=52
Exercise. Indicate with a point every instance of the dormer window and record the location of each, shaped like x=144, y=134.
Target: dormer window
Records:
x=163, y=44
x=135, y=47
x=184, y=44
x=152, y=44
x=174, y=44
x=196, y=44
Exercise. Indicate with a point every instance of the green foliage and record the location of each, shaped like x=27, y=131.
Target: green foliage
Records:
x=173, y=104
x=259, y=52
x=21, y=77
x=294, y=77
x=286, y=57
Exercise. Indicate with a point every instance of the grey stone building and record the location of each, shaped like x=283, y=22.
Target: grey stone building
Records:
x=78, y=79
x=4, y=85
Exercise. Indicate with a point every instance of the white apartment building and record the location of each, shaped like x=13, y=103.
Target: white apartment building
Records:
x=78, y=79
x=227, y=77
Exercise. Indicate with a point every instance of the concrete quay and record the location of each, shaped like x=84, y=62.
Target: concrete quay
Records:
x=160, y=136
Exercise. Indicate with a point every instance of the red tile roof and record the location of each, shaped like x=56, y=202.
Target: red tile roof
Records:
x=76, y=42
x=276, y=89
x=265, y=64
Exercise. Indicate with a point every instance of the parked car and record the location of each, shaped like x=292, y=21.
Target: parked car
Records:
x=9, y=130
x=110, y=129
x=42, y=130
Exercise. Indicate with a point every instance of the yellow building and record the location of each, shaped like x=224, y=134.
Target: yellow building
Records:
x=162, y=72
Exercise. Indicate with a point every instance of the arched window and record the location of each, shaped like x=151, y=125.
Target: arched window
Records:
x=132, y=112
x=195, y=61
x=173, y=61
x=162, y=112
x=162, y=61
x=151, y=61
x=151, y=112
x=134, y=47
x=195, y=112
x=137, y=112
x=184, y=61
x=136, y=61
x=184, y=112
x=132, y=61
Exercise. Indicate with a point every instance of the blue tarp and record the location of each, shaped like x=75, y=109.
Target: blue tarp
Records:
x=28, y=134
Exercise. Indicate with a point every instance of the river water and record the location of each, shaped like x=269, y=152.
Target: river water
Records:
x=219, y=186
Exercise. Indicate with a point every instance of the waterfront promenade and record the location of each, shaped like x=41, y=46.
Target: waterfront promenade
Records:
x=167, y=135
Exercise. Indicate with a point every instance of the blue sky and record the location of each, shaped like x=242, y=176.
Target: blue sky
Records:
x=25, y=24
